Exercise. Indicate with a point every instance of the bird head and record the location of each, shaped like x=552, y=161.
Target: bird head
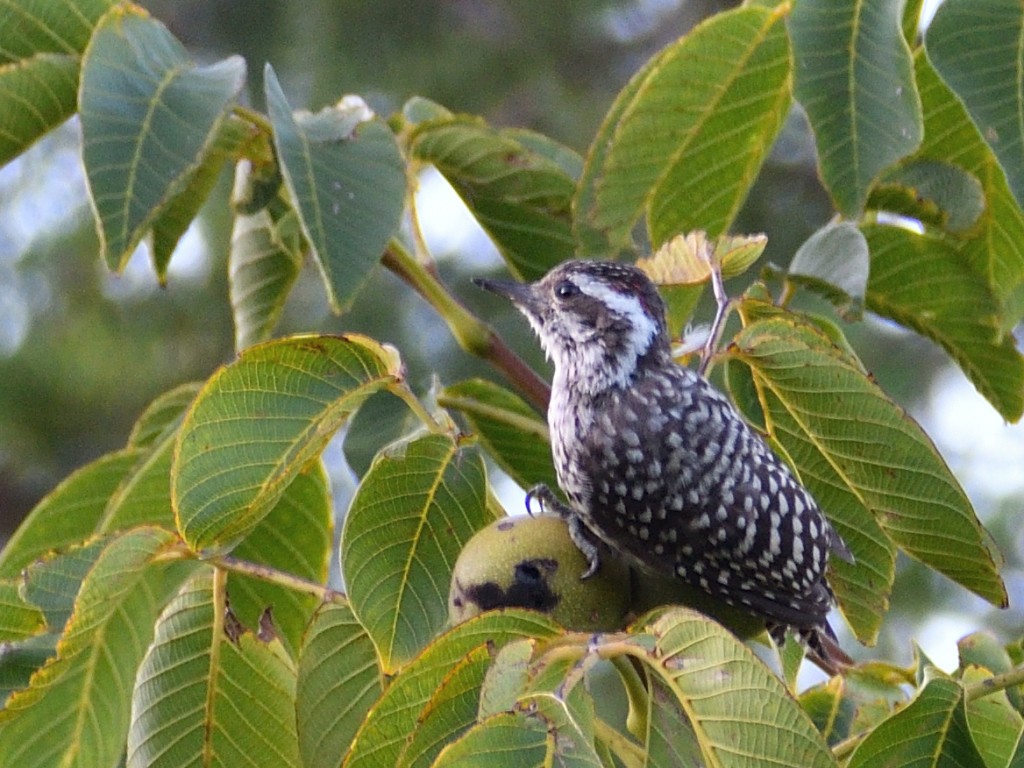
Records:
x=596, y=321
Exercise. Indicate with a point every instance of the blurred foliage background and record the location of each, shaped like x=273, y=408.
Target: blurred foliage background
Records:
x=82, y=351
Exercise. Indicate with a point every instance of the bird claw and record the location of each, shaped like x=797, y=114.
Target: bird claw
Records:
x=581, y=538
x=547, y=500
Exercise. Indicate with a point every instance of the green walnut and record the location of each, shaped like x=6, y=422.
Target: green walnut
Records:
x=530, y=562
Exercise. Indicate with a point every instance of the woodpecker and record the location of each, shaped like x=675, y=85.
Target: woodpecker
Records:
x=658, y=464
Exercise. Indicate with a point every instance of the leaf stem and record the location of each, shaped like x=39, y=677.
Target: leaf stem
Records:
x=256, y=118
x=525, y=424
x=219, y=604
x=845, y=748
x=995, y=684
x=419, y=242
x=273, y=576
x=471, y=333
x=723, y=304
x=400, y=390
x=628, y=751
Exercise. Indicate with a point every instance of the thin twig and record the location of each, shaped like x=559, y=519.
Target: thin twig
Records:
x=402, y=391
x=273, y=576
x=722, y=303
x=995, y=684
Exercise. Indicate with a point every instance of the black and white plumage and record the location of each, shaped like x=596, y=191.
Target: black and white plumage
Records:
x=659, y=465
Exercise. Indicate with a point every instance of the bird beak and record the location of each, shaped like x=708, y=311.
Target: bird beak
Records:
x=520, y=294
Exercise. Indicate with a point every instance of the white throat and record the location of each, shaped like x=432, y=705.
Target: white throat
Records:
x=585, y=365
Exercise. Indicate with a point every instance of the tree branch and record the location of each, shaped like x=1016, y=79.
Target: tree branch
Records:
x=473, y=335
x=995, y=684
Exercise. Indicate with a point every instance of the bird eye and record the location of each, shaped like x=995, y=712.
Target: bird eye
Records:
x=566, y=289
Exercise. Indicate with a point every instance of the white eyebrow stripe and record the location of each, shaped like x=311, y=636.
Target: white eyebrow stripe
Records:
x=644, y=328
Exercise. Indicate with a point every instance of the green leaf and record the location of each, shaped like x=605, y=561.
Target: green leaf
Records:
x=259, y=421
x=450, y=711
x=383, y=734
x=931, y=731
x=419, y=109
x=20, y=660
x=338, y=683
x=995, y=248
x=143, y=497
x=416, y=507
x=69, y=513
x=976, y=46
x=266, y=256
x=523, y=738
x=205, y=696
x=862, y=588
x=685, y=141
x=996, y=727
x=564, y=157
x=512, y=432
x=982, y=649
x=736, y=706
x=570, y=728
x=18, y=619
x=520, y=196
x=835, y=262
x=506, y=678
x=923, y=282
x=557, y=702
x=295, y=537
x=163, y=414
x=53, y=583
x=39, y=67
x=48, y=26
x=76, y=708
x=668, y=739
x=594, y=240
x=853, y=74
x=347, y=181
x=149, y=117
x=912, y=22
x=182, y=209
x=36, y=95
x=845, y=434
x=933, y=192
x=856, y=702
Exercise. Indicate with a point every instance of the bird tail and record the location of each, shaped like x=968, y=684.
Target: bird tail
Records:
x=823, y=649
x=821, y=644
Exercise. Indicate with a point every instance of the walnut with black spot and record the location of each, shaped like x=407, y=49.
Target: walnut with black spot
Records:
x=531, y=562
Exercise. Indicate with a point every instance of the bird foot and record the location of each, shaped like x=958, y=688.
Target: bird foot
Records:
x=580, y=536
